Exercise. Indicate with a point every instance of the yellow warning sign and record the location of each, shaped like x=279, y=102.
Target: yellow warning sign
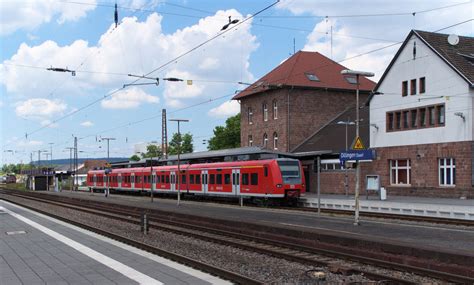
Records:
x=358, y=145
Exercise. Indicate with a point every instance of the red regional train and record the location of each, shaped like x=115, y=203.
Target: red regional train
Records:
x=280, y=178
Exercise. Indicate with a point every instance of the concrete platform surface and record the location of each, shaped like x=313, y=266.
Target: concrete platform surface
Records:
x=417, y=206
x=447, y=238
x=35, y=249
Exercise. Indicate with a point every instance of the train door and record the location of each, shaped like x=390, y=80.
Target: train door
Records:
x=153, y=181
x=204, y=181
x=236, y=181
x=132, y=181
x=119, y=179
x=173, y=181
x=95, y=180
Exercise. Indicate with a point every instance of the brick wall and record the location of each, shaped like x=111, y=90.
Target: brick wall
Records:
x=309, y=111
x=424, y=178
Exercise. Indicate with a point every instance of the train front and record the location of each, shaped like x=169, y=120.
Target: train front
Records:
x=292, y=178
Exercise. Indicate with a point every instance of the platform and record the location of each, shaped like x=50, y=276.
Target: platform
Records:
x=36, y=249
x=417, y=206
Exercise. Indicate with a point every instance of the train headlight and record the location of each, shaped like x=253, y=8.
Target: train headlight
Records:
x=279, y=185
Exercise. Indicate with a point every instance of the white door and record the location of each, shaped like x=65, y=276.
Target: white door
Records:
x=204, y=182
x=95, y=180
x=236, y=181
x=132, y=180
x=153, y=181
x=173, y=181
x=119, y=180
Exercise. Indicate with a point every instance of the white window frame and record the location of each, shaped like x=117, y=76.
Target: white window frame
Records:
x=265, y=112
x=250, y=115
x=275, y=110
x=250, y=140
x=265, y=140
x=394, y=166
x=444, y=168
x=275, y=141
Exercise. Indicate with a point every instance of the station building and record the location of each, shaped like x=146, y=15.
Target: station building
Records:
x=424, y=138
x=295, y=102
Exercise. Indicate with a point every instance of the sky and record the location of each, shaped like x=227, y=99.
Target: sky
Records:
x=43, y=109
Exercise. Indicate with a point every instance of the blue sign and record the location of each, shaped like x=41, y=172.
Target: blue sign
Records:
x=366, y=154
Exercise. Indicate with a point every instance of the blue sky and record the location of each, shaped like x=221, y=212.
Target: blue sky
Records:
x=80, y=35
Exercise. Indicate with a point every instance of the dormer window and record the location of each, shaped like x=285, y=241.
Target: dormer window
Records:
x=351, y=79
x=312, y=77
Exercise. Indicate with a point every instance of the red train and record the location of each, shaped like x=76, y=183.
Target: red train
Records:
x=276, y=178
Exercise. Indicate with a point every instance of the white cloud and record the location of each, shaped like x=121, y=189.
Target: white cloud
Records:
x=28, y=15
x=351, y=34
x=87, y=124
x=146, y=48
x=226, y=109
x=40, y=108
x=129, y=99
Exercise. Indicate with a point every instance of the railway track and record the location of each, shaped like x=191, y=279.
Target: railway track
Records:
x=306, y=255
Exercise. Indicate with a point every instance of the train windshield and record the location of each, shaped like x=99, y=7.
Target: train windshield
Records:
x=290, y=171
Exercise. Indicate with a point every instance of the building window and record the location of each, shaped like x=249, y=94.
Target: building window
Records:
x=265, y=140
x=422, y=85
x=431, y=114
x=440, y=112
x=405, y=120
x=400, y=172
x=423, y=117
x=250, y=115
x=398, y=120
x=265, y=112
x=250, y=140
x=275, y=141
x=390, y=121
x=447, y=171
x=413, y=87
x=414, y=117
x=404, y=88
x=275, y=110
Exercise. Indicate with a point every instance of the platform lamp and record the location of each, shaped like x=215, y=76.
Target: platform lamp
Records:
x=179, y=152
x=357, y=74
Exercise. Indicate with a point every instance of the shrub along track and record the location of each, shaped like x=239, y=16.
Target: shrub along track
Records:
x=263, y=240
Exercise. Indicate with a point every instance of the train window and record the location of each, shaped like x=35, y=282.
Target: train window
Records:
x=139, y=179
x=245, y=179
x=198, y=179
x=254, y=178
x=212, y=179
x=183, y=179
x=191, y=179
x=158, y=179
x=219, y=179
x=167, y=179
x=265, y=171
x=226, y=178
x=162, y=179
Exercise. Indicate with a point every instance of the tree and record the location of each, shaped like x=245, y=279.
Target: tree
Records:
x=228, y=136
x=134, y=158
x=152, y=151
x=186, y=143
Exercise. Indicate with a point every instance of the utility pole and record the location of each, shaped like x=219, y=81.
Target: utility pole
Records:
x=164, y=134
x=179, y=152
x=70, y=160
x=51, y=163
x=75, y=164
x=108, y=143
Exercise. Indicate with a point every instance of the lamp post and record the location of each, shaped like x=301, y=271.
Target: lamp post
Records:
x=357, y=74
x=179, y=152
x=346, y=179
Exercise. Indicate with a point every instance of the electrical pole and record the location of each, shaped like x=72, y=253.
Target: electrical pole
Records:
x=179, y=152
x=75, y=164
x=70, y=160
x=164, y=134
x=108, y=143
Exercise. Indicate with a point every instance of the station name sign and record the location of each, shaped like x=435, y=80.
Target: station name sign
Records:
x=355, y=155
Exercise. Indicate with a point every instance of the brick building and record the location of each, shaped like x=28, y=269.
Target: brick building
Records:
x=291, y=103
x=425, y=134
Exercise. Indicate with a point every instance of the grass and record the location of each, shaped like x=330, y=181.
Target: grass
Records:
x=15, y=186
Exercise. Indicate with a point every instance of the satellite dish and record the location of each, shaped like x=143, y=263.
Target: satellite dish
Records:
x=453, y=39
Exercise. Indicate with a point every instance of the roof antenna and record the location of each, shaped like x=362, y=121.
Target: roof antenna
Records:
x=116, y=15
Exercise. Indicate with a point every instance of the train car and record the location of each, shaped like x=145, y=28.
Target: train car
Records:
x=269, y=179
x=10, y=178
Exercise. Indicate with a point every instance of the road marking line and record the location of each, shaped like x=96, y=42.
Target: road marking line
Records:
x=183, y=268
x=107, y=261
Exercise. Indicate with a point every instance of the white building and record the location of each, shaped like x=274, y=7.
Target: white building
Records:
x=424, y=118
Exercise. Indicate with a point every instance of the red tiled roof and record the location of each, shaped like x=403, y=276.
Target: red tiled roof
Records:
x=294, y=71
